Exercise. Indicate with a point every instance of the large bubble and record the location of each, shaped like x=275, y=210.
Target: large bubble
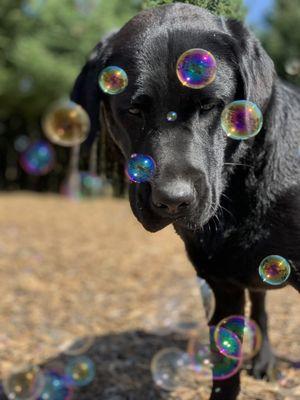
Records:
x=24, y=385
x=140, y=168
x=241, y=120
x=274, y=270
x=66, y=124
x=38, y=158
x=196, y=68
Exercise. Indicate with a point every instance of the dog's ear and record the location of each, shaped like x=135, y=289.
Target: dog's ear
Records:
x=87, y=93
x=255, y=66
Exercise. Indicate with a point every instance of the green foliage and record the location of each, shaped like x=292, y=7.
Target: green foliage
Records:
x=282, y=40
x=228, y=8
x=43, y=45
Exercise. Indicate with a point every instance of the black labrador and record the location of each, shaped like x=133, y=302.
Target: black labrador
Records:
x=232, y=202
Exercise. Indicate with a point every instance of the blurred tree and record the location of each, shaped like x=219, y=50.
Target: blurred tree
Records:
x=43, y=46
x=282, y=39
x=229, y=8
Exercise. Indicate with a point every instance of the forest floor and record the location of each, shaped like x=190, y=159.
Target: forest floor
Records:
x=69, y=269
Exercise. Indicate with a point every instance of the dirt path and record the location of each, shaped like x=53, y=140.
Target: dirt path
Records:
x=69, y=269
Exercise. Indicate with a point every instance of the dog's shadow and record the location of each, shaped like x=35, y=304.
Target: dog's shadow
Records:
x=123, y=365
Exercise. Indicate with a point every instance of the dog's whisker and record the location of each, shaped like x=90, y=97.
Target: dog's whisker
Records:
x=244, y=165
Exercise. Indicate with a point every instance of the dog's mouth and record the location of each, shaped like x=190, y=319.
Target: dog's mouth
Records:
x=153, y=221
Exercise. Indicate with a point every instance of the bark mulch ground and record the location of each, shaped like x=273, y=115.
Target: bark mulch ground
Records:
x=69, y=269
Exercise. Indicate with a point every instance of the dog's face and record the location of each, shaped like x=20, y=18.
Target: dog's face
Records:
x=191, y=152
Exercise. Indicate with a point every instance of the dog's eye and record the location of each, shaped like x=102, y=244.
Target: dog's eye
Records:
x=135, y=111
x=207, y=107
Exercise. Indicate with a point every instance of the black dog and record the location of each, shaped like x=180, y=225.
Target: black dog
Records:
x=232, y=202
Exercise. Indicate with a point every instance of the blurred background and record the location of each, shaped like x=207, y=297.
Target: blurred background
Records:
x=44, y=44
x=83, y=278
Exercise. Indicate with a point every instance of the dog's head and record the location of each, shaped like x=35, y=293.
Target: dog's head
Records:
x=191, y=152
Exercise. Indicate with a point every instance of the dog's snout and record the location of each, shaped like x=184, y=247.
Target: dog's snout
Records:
x=173, y=198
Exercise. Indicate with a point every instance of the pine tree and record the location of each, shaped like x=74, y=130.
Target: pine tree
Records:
x=282, y=39
x=229, y=8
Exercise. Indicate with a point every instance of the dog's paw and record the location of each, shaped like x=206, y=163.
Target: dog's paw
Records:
x=264, y=365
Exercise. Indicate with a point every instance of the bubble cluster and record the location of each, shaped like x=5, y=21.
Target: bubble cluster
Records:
x=274, y=270
x=80, y=371
x=140, y=168
x=38, y=158
x=208, y=298
x=113, y=80
x=66, y=124
x=246, y=330
x=196, y=68
x=169, y=367
x=241, y=120
x=172, y=116
x=26, y=384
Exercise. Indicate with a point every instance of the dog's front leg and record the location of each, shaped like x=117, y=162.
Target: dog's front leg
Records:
x=264, y=361
x=230, y=300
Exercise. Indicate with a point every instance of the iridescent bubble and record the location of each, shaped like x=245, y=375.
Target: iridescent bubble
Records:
x=241, y=120
x=56, y=388
x=246, y=330
x=228, y=343
x=38, y=158
x=113, y=80
x=66, y=124
x=80, y=346
x=223, y=366
x=274, y=270
x=172, y=116
x=200, y=358
x=93, y=185
x=196, y=68
x=169, y=368
x=208, y=298
x=140, y=168
x=24, y=385
x=80, y=371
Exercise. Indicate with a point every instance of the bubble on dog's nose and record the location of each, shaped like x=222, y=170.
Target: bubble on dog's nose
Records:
x=172, y=116
x=80, y=371
x=113, y=80
x=196, y=68
x=241, y=120
x=66, y=124
x=140, y=168
x=245, y=329
x=274, y=270
x=38, y=159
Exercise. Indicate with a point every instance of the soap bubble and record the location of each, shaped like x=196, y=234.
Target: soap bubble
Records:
x=24, y=385
x=228, y=343
x=38, y=158
x=21, y=143
x=140, y=168
x=208, y=298
x=274, y=270
x=246, y=330
x=80, y=371
x=32, y=7
x=292, y=67
x=196, y=68
x=169, y=368
x=55, y=388
x=66, y=124
x=200, y=358
x=113, y=80
x=223, y=366
x=241, y=120
x=172, y=116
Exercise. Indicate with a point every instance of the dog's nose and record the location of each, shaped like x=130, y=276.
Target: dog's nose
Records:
x=173, y=198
